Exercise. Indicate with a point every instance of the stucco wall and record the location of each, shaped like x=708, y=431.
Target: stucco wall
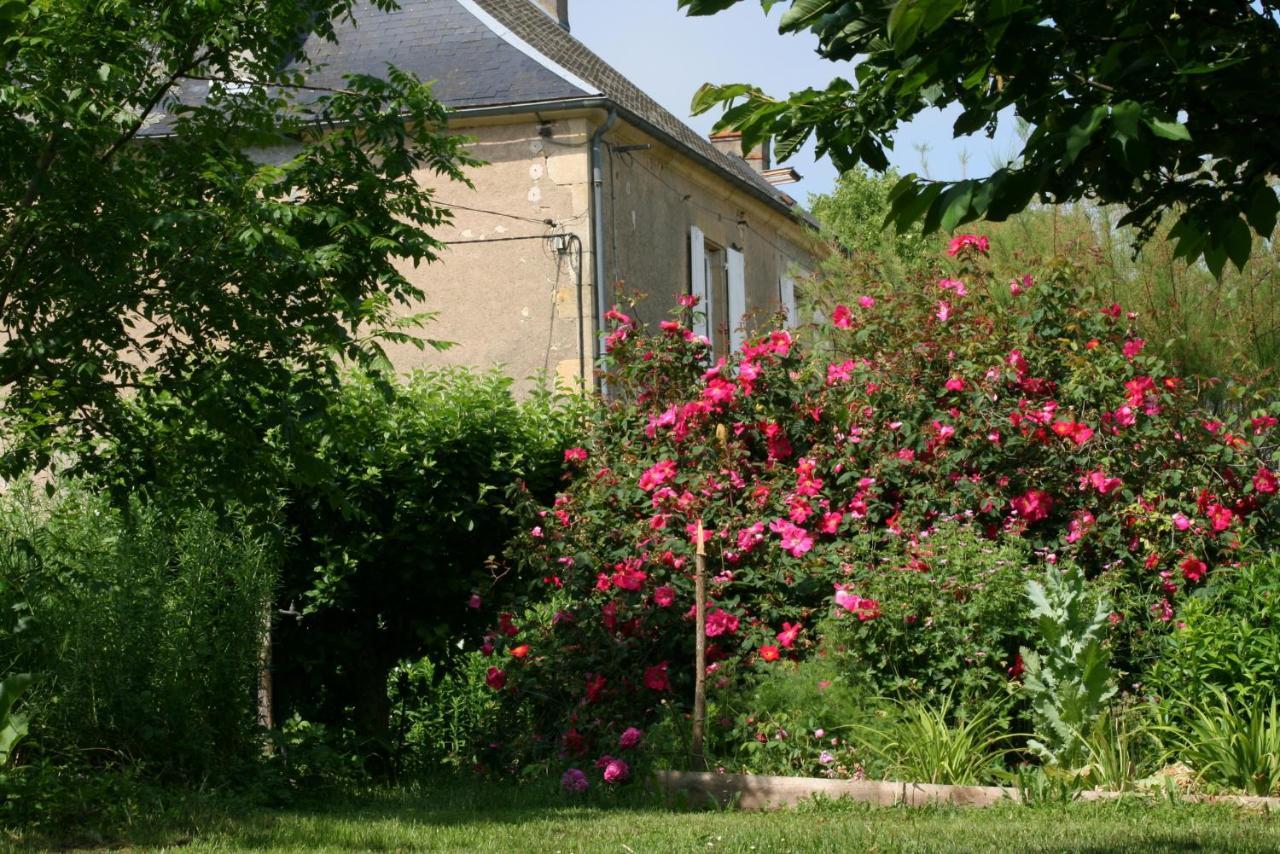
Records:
x=505, y=302
x=653, y=196
x=513, y=303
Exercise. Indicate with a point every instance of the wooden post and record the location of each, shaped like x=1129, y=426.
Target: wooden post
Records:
x=266, y=698
x=700, y=649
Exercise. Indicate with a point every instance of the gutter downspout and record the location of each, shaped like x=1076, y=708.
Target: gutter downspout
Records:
x=597, y=233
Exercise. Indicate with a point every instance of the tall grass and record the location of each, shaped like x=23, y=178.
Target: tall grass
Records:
x=142, y=629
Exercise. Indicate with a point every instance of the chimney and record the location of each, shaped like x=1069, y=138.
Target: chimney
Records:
x=730, y=142
x=558, y=9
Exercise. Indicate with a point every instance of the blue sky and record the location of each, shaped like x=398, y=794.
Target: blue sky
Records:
x=670, y=55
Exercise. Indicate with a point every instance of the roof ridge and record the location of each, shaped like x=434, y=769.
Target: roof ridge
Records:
x=532, y=25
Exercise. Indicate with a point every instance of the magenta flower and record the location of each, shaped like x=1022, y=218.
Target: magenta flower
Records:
x=796, y=541
x=575, y=455
x=721, y=622
x=1193, y=569
x=842, y=318
x=1133, y=347
x=1033, y=505
x=616, y=771
x=664, y=597
x=655, y=677
x=788, y=635
x=630, y=738
x=866, y=301
x=657, y=474
x=968, y=243
x=495, y=678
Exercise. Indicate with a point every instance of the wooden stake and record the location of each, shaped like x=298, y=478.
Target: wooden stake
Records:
x=700, y=649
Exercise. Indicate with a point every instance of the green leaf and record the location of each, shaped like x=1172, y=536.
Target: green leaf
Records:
x=1238, y=240
x=1081, y=134
x=905, y=22
x=955, y=204
x=1169, y=130
x=1263, y=208
x=709, y=95
x=802, y=12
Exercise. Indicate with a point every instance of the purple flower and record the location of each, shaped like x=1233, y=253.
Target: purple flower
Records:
x=574, y=780
x=826, y=758
x=630, y=738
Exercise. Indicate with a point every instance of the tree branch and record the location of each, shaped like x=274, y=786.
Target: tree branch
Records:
x=178, y=73
x=236, y=81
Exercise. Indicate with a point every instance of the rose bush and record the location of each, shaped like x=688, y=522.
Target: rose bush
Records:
x=1012, y=408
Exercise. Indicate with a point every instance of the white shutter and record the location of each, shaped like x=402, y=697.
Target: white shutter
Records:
x=736, y=264
x=787, y=296
x=699, y=286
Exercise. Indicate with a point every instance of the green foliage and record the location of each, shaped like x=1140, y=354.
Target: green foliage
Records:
x=852, y=217
x=143, y=627
x=952, y=618
x=13, y=725
x=1068, y=678
x=1207, y=326
x=440, y=714
x=1118, y=749
x=796, y=719
x=1229, y=743
x=1141, y=103
x=1228, y=640
x=927, y=742
x=902, y=473
x=191, y=270
x=395, y=530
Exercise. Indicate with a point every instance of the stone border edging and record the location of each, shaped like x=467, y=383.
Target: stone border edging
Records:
x=762, y=792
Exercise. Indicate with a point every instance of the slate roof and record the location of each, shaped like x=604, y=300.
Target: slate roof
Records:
x=439, y=40
x=473, y=66
x=537, y=29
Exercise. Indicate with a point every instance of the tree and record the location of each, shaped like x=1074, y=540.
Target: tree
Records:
x=1150, y=104
x=185, y=221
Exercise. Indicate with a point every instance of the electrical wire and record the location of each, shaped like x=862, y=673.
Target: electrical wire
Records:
x=455, y=206
x=688, y=199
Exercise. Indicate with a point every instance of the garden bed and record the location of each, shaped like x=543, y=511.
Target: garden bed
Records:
x=763, y=792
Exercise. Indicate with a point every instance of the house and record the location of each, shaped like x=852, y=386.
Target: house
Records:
x=592, y=192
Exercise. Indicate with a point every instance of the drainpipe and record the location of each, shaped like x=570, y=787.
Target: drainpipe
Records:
x=597, y=232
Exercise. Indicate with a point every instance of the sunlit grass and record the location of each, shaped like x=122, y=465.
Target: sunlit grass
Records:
x=462, y=817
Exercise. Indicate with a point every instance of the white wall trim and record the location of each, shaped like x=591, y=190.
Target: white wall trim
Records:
x=527, y=49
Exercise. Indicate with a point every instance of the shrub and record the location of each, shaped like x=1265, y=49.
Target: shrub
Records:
x=393, y=531
x=143, y=629
x=13, y=724
x=950, y=621
x=796, y=718
x=440, y=713
x=1032, y=417
x=1227, y=640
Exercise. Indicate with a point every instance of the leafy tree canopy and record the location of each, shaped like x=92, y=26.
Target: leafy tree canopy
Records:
x=183, y=219
x=1149, y=104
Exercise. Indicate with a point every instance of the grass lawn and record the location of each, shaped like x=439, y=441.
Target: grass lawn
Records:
x=464, y=817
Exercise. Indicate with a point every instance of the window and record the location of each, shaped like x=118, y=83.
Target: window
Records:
x=718, y=279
